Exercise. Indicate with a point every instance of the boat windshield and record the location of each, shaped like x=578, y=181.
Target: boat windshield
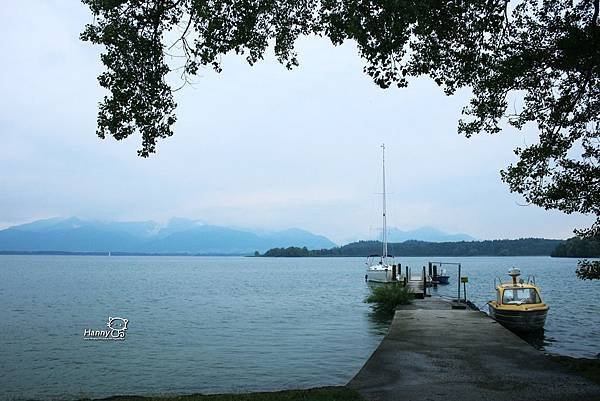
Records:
x=518, y=296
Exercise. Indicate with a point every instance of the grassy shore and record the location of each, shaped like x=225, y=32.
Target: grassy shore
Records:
x=340, y=393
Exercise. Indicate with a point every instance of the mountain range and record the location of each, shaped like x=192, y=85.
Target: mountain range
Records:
x=177, y=236
x=427, y=234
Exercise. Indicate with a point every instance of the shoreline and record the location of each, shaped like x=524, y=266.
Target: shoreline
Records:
x=580, y=366
x=246, y=255
x=587, y=367
x=330, y=393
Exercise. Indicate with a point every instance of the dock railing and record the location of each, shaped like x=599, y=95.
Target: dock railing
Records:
x=435, y=264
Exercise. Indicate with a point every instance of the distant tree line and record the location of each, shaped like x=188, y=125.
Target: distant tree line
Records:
x=578, y=248
x=518, y=247
x=582, y=247
x=292, y=251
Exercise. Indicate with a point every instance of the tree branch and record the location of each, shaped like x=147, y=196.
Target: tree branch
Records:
x=182, y=37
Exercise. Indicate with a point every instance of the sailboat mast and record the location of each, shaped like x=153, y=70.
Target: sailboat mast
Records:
x=385, y=250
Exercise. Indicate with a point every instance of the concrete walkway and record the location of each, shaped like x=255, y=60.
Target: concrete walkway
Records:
x=435, y=353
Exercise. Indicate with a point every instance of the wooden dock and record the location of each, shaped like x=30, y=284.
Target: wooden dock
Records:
x=433, y=352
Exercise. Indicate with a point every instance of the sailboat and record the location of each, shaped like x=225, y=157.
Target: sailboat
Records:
x=380, y=268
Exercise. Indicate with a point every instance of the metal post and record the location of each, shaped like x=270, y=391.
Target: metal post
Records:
x=385, y=247
x=465, y=291
x=424, y=283
x=406, y=275
x=458, y=279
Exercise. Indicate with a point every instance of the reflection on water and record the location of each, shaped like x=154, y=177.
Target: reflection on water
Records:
x=539, y=339
x=380, y=321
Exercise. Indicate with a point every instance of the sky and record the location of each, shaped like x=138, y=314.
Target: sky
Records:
x=255, y=147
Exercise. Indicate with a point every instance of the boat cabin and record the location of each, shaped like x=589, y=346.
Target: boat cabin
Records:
x=380, y=261
x=520, y=294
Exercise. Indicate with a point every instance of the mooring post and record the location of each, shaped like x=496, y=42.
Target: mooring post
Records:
x=394, y=277
x=458, y=279
x=424, y=283
x=430, y=270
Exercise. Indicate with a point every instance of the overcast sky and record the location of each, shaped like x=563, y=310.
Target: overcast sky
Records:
x=256, y=147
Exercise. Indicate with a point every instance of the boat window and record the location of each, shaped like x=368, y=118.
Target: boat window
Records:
x=498, y=297
x=518, y=296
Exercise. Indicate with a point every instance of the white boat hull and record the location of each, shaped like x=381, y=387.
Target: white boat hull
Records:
x=378, y=274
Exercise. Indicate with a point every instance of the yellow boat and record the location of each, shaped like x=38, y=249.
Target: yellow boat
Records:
x=519, y=305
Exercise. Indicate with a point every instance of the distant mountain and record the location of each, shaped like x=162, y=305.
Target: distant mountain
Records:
x=301, y=237
x=427, y=234
x=207, y=239
x=176, y=225
x=75, y=239
x=177, y=236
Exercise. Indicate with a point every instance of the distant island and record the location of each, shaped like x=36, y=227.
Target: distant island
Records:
x=517, y=247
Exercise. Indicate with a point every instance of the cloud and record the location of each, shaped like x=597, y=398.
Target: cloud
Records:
x=258, y=146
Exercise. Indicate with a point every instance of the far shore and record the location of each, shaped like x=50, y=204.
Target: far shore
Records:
x=66, y=253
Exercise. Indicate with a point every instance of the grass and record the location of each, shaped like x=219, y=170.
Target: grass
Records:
x=388, y=296
x=340, y=393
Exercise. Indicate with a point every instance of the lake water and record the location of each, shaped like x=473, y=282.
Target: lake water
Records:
x=227, y=324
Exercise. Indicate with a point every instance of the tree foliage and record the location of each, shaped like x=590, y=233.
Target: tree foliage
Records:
x=528, y=62
x=588, y=270
x=578, y=248
x=291, y=251
x=586, y=247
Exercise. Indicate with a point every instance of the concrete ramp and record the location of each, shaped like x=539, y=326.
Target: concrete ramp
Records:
x=435, y=353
